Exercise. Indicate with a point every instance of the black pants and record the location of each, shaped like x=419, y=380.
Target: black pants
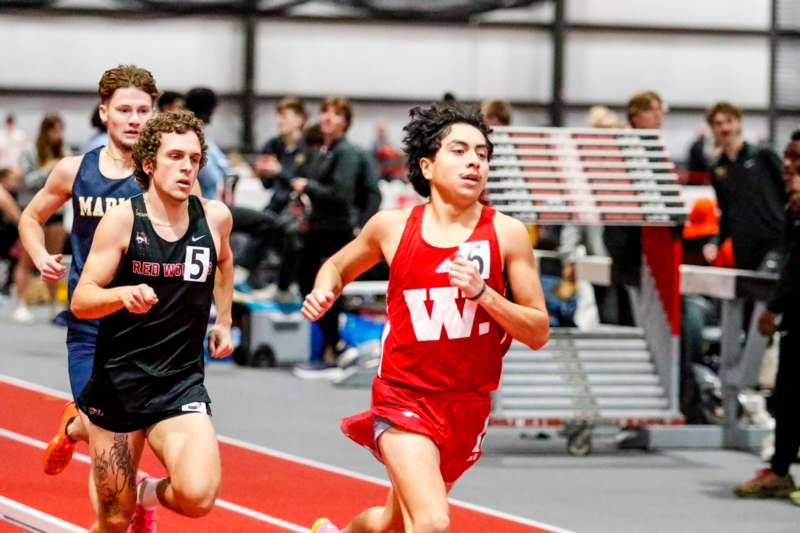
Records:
x=786, y=404
x=319, y=245
x=261, y=226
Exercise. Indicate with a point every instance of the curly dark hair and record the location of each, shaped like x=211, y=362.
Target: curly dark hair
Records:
x=424, y=133
x=149, y=142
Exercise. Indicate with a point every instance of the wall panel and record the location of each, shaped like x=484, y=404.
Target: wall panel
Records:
x=72, y=52
x=750, y=14
x=685, y=70
x=402, y=60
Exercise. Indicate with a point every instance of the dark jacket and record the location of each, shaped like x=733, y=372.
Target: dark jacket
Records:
x=787, y=293
x=292, y=162
x=332, y=187
x=751, y=199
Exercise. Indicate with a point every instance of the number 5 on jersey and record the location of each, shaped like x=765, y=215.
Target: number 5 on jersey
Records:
x=196, y=264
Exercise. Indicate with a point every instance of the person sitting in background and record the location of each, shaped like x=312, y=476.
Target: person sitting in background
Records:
x=283, y=154
x=697, y=311
x=332, y=219
x=37, y=163
x=202, y=102
x=283, y=157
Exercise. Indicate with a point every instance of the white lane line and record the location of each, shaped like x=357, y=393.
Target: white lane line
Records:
x=261, y=516
x=312, y=463
x=24, y=439
x=34, y=387
x=34, y=519
x=363, y=477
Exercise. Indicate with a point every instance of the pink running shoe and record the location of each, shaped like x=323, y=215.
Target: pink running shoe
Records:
x=323, y=525
x=143, y=520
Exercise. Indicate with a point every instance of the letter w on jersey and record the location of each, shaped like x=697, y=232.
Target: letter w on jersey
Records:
x=428, y=327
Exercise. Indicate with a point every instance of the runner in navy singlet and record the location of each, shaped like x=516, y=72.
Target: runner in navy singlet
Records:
x=149, y=278
x=94, y=182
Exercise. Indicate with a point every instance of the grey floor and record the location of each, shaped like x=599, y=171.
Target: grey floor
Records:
x=610, y=491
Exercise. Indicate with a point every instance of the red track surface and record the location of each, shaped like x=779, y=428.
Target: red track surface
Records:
x=270, y=485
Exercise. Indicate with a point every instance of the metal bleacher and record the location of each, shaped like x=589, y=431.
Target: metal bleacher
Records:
x=609, y=376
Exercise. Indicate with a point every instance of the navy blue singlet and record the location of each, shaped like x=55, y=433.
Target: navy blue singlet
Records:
x=92, y=195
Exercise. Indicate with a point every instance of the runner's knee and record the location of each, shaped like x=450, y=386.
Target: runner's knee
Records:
x=196, y=501
x=432, y=522
x=116, y=520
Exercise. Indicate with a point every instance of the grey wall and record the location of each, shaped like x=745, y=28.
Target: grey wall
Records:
x=403, y=62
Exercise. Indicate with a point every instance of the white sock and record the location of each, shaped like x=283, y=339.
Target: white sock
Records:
x=146, y=493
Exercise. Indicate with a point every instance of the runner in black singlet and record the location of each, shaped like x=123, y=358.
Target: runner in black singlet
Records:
x=149, y=277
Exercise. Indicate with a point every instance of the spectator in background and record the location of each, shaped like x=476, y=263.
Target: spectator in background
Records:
x=697, y=311
x=775, y=481
x=12, y=144
x=590, y=237
x=332, y=220
x=202, y=102
x=645, y=111
x=100, y=136
x=750, y=192
x=624, y=244
x=171, y=101
x=701, y=226
x=37, y=163
x=283, y=154
x=9, y=210
x=602, y=117
x=9, y=217
x=497, y=112
x=283, y=157
x=391, y=163
x=697, y=162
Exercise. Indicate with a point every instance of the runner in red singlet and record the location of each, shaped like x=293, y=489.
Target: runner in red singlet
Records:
x=449, y=321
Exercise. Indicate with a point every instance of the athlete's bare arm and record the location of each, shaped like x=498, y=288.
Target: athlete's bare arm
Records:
x=525, y=319
x=8, y=206
x=57, y=190
x=220, y=221
x=377, y=240
x=91, y=298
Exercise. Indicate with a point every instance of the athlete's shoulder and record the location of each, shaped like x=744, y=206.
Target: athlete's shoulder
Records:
x=392, y=216
x=506, y=224
x=71, y=163
x=66, y=170
x=511, y=234
x=216, y=212
x=387, y=220
x=119, y=213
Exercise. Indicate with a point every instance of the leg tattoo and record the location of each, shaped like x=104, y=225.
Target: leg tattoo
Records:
x=113, y=473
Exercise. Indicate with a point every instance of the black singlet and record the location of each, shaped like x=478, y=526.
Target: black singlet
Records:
x=153, y=362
